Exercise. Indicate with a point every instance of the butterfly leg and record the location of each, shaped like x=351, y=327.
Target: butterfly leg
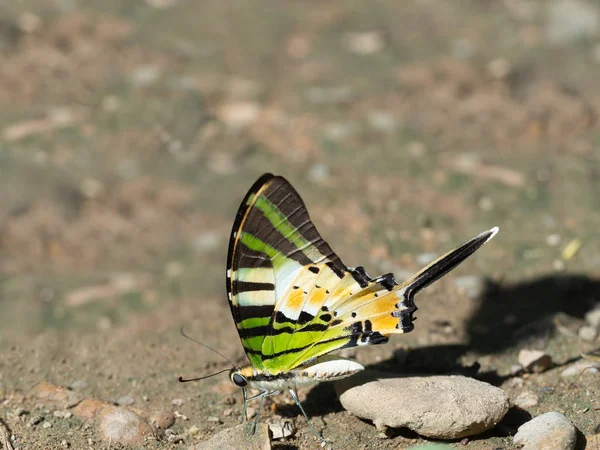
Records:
x=295, y=397
x=262, y=396
x=244, y=415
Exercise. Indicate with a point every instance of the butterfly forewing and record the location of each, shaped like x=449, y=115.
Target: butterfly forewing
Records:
x=273, y=242
x=291, y=296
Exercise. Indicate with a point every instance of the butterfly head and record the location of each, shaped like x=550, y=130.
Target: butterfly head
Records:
x=242, y=376
x=237, y=378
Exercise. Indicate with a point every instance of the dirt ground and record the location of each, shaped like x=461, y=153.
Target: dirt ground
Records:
x=130, y=131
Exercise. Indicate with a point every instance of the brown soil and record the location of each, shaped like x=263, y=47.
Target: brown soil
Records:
x=129, y=132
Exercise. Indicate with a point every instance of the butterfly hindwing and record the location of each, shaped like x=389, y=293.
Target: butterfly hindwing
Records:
x=291, y=296
x=383, y=307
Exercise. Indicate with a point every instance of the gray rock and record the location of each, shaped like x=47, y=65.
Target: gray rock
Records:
x=240, y=436
x=439, y=407
x=550, y=431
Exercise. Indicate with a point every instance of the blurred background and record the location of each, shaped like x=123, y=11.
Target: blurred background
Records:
x=130, y=131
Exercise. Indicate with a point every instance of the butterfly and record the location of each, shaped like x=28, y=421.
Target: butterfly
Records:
x=294, y=301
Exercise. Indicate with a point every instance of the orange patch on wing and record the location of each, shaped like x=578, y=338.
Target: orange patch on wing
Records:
x=294, y=300
x=317, y=298
x=384, y=324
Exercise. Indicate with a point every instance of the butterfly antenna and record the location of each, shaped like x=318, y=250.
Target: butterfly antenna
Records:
x=208, y=347
x=183, y=380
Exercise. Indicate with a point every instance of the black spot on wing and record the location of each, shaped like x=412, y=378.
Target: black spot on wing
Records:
x=387, y=281
x=361, y=276
x=302, y=319
x=339, y=271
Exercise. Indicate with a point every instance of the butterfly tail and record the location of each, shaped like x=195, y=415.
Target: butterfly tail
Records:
x=436, y=270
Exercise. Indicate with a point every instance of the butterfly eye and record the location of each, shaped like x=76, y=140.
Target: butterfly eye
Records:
x=239, y=380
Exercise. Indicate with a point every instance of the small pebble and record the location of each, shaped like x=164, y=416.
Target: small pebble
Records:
x=534, y=360
x=551, y=430
x=516, y=369
x=78, y=385
x=177, y=402
x=526, y=399
x=175, y=438
x=382, y=121
x=213, y=419
x=194, y=430
x=578, y=368
x=46, y=425
x=18, y=412
x=180, y=416
x=238, y=115
x=63, y=414
x=121, y=425
x=593, y=317
x=144, y=76
x=126, y=400
x=160, y=419
x=282, y=430
x=35, y=420
x=364, y=43
x=588, y=333
x=499, y=68
x=54, y=396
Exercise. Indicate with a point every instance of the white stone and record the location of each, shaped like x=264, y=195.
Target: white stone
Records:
x=438, y=407
x=550, y=431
